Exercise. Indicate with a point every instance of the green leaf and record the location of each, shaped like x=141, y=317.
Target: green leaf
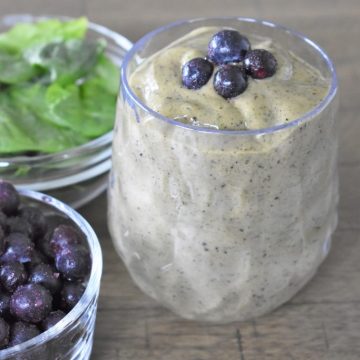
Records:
x=60, y=90
x=107, y=75
x=99, y=108
x=26, y=35
x=67, y=61
x=25, y=124
x=14, y=69
x=88, y=109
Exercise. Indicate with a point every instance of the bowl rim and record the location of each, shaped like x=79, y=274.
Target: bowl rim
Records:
x=135, y=101
x=92, y=287
x=105, y=139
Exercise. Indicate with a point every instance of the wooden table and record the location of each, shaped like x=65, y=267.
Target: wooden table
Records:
x=323, y=321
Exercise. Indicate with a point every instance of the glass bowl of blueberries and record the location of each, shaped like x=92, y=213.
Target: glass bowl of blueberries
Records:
x=59, y=81
x=50, y=270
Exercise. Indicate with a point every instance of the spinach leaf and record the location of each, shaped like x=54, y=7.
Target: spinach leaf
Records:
x=23, y=130
x=14, y=69
x=60, y=90
x=67, y=61
x=24, y=36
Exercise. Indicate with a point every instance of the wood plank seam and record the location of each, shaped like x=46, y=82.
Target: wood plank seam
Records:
x=326, y=340
x=239, y=343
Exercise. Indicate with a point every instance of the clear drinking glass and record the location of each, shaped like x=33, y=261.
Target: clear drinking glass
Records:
x=223, y=225
x=72, y=337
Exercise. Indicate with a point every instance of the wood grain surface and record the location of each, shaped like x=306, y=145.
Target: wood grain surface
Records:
x=323, y=321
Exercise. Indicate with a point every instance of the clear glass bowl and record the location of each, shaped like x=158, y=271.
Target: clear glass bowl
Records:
x=72, y=337
x=78, y=175
x=222, y=225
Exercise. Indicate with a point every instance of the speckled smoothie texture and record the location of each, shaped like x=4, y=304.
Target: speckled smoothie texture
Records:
x=223, y=226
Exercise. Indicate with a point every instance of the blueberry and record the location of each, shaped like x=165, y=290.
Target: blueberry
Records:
x=4, y=304
x=3, y=221
x=45, y=275
x=4, y=333
x=31, y=303
x=53, y=318
x=9, y=198
x=36, y=219
x=260, y=64
x=18, y=225
x=230, y=81
x=196, y=73
x=21, y=332
x=37, y=258
x=73, y=262
x=228, y=46
x=65, y=236
x=44, y=246
x=12, y=275
x=19, y=248
x=71, y=294
x=2, y=240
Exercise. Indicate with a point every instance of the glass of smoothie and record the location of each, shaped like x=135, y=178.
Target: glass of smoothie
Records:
x=222, y=203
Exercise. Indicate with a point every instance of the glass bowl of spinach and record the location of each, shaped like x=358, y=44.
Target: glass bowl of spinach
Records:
x=59, y=80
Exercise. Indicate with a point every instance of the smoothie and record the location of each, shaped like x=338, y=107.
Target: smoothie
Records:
x=223, y=225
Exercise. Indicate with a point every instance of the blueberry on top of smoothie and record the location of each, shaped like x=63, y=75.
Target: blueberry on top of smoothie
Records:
x=228, y=46
x=196, y=73
x=260, y=64
x=230, y=81
x=229, y=52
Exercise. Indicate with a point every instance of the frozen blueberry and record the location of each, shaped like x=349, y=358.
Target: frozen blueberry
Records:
x=3, y=221
x=228, y=46
x=65, y=236
x=36, y=219
x=73, y=262
x=21, y=332
x=71, y=294
x=45, y=275
x=53, y=318
x=9, y=198
x=12, y=275
x=44, y=246
x=4, y=304
x=31, y=303
x=36, y=259
x=18, y=248
x=260, y=64
x=196, y=73
x=4, y=333
x=18, y=225
x=230, y=81
x=2, y=240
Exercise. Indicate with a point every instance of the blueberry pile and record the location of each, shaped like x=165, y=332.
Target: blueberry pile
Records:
x=231, y=55
x=43, y=267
